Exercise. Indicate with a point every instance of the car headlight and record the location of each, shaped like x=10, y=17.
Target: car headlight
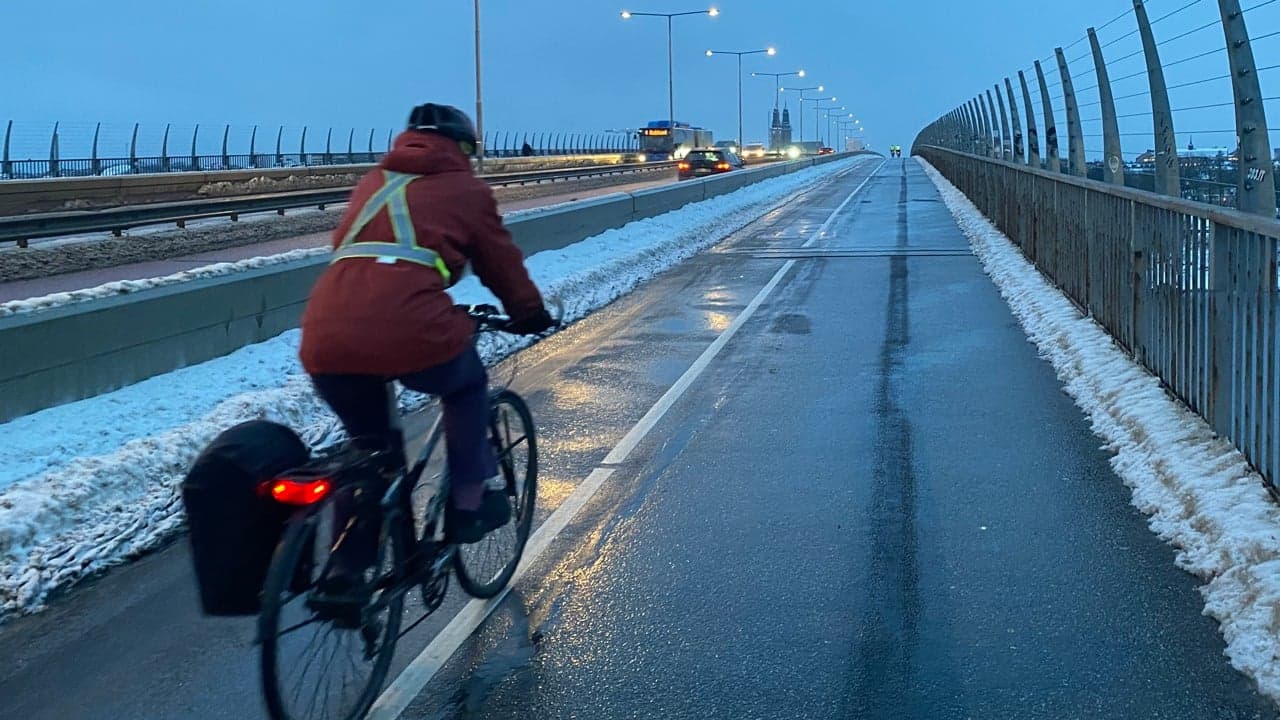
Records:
x=793, y=152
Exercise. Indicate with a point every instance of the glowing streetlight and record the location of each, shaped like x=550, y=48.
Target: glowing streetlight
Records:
x=802, y=91
x=671, y=84
x=766, y=51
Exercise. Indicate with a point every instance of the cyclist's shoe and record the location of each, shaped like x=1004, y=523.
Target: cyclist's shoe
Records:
x=340, y=599
x=470, y=526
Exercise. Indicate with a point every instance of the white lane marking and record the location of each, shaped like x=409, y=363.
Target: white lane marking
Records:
x=405, y=688
x=822, y=231
x=402, y=691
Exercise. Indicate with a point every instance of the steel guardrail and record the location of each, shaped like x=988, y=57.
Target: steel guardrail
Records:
x=22, y=228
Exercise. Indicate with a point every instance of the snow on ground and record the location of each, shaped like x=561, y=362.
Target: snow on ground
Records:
x=1199, y=492
x=123, y=287
x=90, y=484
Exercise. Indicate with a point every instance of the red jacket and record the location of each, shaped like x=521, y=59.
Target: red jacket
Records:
x=370, y=318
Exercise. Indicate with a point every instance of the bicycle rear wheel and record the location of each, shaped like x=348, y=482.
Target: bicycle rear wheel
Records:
x=485, y=568
x=311, y=667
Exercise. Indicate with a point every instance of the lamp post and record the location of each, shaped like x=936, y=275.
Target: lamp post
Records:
x=815, y=101
x=766, y=51
x=671, y=86
x=777, y=82
x=802, y=91
x=828, y=111
x=479, y=103
x=843, y=124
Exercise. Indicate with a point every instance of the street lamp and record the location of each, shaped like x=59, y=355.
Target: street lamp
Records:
x=777, y=82
x=671, y=86
x=766, y=51
x=479, y=103
x=828, y=111
x=802, y=91
x=816, y=100
x=845, y=126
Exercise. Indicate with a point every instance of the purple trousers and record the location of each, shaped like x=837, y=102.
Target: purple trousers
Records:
x=364, y=404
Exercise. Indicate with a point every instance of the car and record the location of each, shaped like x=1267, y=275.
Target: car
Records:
x=708, y=161
x=826, y=151
x=753, y=150
x=730, y=145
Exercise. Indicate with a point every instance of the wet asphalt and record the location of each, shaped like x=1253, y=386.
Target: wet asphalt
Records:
x=876, y=502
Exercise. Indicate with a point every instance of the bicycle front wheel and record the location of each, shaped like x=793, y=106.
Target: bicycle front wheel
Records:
x=314, y=666
x=485, y=568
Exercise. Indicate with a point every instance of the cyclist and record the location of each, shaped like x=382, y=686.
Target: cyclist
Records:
x=380, y=312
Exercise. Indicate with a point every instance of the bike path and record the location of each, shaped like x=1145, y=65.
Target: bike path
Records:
x=876, y=502
x=133, y=644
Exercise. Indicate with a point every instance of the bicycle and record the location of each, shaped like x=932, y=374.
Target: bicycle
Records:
x=410, y=555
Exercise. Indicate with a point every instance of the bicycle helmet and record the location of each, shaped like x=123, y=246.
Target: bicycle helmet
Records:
x=445, y=120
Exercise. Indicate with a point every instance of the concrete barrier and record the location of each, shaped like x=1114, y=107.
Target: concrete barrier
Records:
x=76, y=351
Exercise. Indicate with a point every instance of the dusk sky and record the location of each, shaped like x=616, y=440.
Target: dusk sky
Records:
x=572, y=65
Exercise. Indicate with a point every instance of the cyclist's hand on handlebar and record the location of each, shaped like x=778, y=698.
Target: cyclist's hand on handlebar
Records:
x=539, y=322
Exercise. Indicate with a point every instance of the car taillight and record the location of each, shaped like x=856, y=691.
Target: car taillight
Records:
x=684, y=166
x=298, y=492
x=722, y=166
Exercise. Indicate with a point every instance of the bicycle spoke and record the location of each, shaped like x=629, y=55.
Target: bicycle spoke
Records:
x=298, y=626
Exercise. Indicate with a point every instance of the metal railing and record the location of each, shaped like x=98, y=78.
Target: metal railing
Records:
x=22, y=228
x=1189, y=289
x=244, y=149
x=1113, y=105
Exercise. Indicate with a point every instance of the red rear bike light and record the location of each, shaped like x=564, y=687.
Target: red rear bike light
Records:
x=299, y=492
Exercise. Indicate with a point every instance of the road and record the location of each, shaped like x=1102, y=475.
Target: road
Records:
x=67, y=282
x=870, y=499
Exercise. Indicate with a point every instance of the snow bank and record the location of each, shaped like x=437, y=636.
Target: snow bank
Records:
x=122, y=287
x=1199, y=491
x=90, y=484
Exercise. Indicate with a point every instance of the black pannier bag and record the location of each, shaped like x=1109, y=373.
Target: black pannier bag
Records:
x=235, y=528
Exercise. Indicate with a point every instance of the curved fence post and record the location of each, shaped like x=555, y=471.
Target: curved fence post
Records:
x=328, y=147
x=94, y=163
x=988, y=147
x=279, y=149
x=133, y=150
x=1053, y=162
x=1113, y=157
x=974, y=129
x=975, y=137
x=389, y=139
x=1033, y=135
x=253, y=147
x=6, y=165
x=1075, y=135
x=226, y=159
x=1006, y=146
x=1256, y=189
x=1168, y=175
x=1019, y=154
x=371, y=132
x=302, y=148
x=351, y=147
x=164, y=150
x=998, y=143
x=53, y=153
x=195, y=159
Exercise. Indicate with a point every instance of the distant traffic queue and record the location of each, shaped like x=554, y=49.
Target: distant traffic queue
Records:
x=658, y=141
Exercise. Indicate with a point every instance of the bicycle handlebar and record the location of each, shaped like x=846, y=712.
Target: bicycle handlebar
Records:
x=487, y=317
x=492, y=318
